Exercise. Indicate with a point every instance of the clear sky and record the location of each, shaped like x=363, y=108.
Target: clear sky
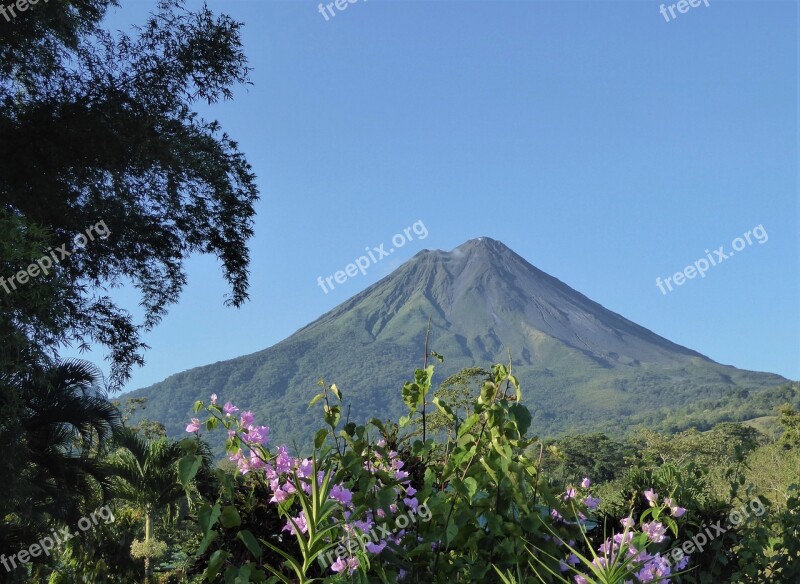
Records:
x=603, y=143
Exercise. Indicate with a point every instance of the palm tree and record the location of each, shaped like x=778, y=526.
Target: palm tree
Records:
x=146, y=475
x=55, y=423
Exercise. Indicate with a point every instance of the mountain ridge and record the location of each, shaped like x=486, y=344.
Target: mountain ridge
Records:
x=484, y=302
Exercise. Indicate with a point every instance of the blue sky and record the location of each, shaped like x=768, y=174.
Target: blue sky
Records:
x=605, y=145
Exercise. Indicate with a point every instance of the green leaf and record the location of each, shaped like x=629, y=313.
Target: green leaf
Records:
x=198, y=405
x=189, y=445
x=249, y=540
x=412, y=395
x=207, y=540
x=446, y=409
x=315, y=399
x=336, y=392
x=319, y=438
x=207, y=517
x=522, y=416
x=230, y=517
x=188, y=467
x=471, y=485
x=438, y=356
x=452, y=532
x=215, y=563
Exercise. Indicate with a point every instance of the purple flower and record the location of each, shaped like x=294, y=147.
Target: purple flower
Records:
x=651, y=497
x=339, y=493
x=376, y=548
x=627, y=522
x=283, y=463
x=674, y=509
x=555, y=515
x=591, y=502
x=305, y=468
x=655, y=531
x=569, y=495
x=229, y=409
x=247, y=418
x=213, y=399
x=585, y=483
x=194, y=426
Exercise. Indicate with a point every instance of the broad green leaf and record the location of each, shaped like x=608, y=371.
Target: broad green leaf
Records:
x=319, y=438
x=251, y=542
x=207, y=517
x=206, y=541
x=230, y=517
x=215, y=563
x=188, y=467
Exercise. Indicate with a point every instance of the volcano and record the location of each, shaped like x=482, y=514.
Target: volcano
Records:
x=582, y=367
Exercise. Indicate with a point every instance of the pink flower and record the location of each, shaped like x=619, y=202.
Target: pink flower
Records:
x=300, y=520
x=279, y=496
x=569, y=495
x=257, y=435
x=229, y=409
x=352, y=564
x=339, y=565
x=585, y=483
x=213, y=399
x=194, y=426
x=247, y=418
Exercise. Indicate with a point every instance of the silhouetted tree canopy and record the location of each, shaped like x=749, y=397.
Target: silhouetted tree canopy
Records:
x=96, y=126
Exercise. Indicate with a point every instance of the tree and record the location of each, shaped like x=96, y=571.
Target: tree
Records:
x=790, y=421
x=96, y=128
x=56, y=426
x=146, y=475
